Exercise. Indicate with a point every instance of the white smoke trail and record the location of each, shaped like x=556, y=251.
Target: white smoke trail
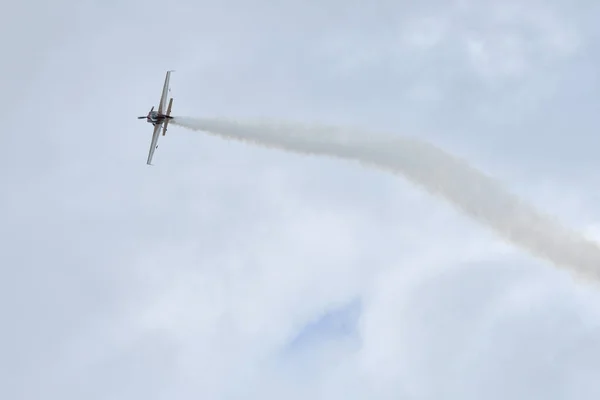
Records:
x=438, y=172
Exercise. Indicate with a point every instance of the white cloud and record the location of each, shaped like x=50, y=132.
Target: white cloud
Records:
x=191, y=279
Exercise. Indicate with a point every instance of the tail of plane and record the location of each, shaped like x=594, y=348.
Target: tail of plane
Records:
x=168, y=115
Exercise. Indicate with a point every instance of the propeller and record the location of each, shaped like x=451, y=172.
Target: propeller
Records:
x=146, y=116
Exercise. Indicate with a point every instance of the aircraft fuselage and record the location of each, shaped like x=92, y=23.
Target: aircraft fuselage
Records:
x=154, y=117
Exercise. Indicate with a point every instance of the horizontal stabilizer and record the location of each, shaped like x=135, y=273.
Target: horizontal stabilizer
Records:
x=169, y=108
x=168, y=114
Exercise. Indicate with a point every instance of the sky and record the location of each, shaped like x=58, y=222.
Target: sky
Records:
x=228, y=271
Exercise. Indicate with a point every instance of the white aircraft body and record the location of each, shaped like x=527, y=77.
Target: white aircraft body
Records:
x=159, y=118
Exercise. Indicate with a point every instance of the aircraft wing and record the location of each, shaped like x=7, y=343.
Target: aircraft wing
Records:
x=163, y=97
x=155, y=136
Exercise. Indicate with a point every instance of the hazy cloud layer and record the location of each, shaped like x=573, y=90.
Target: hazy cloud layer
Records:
x=228, y=271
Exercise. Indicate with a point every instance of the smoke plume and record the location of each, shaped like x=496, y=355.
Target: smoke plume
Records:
x=438, y=172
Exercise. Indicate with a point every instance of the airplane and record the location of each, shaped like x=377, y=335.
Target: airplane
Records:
x=159, y=118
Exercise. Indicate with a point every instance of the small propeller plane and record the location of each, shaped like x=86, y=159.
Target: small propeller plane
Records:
x=159, y=118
